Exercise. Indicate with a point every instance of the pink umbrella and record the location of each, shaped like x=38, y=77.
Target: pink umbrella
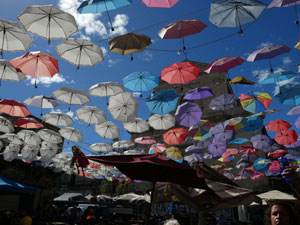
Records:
x=257, y=175
x=248, y=149
x=145, y=140
x=160, y=3
x=274, y=166
x=230, y=152
x=223, y=64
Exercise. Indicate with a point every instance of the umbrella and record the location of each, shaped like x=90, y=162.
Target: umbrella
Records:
x=160, y=4
x=48, y=151
x=174, y=153
x=79, y=52
x=137, y=125
x=248, y=149
x=157, y=148
x=241, y=80
x=101, y=147
x=278, y=153
x=29, y=137
x=50, y=136
x=123, y=107
x=162, y=102
x=28, y=123
x=123, y=144
x=12, y=37
x=198, y=93
x=105, y=89
x=294, y=111
x=188, y=114
x=223, y=102
x=235, y=13
x=285, y=3
x=230, y=152
x=278, y=125
x=11, y=152
x=268, y=52
x=98, y=6
x=200, y=131
x=41, y=101
x=297, y=122
x=9, y=73
x=221, y=134
x=133, y=152
x=91, y=115
x=253, y=124
x=71, y=96
x=277, y=77
x=235, y=123
x=145, y=140
x=286, y=137
x=12, y=139
x=181, y=29
x=193, y=149
x=180, y=73
x=261, y=164
x=175, y=136
x=194, y=158
x=288, y=94
x=5, y=125
x=162, y=122
x=257, y=175
x=223, y=64
x=274, y=166
x=129, y=43
x=71, y=134
x=217, y=148
x=29, y=152
x=256, y=102
x=262, y=142
x=140, y=81
x=243, y=163
x=107, y=130
x=48, y=22
x=204, y=143
x=58, y=119
x=13, y=108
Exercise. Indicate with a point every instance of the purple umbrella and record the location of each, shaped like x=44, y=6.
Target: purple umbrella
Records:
x=294, y=145
x=193, y=158
x=229, y=175
x=208, y=156
x=271, y=173
x=262, y=142
x=268, y=52
x=224, y=101
x=188, y=114
x=217, y=148
x=198, y=93
x=203, y=144
x=193, y=149
x=294, y=111
x=220, y=133
x=297, y=123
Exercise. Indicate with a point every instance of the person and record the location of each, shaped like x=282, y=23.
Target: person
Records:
x=79, y=159
x=280, y=213
x=171, y=222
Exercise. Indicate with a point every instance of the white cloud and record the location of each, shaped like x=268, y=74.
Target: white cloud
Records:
x=287, y=60
x=147, y=56
x=261, y=73
x=113, y=62
x=264, y=44
x=104, y=51
x=47, y=81
x=119, y=23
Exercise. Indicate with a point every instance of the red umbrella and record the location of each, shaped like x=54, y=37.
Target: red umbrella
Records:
x=230, y=152
x=223, y=64
x=36, y=64
x=278, y=125
x=180, y=73
x=286, y=137
x=145, y=140
x=13, y=108
x=278, y=153
x=248, y=149
x=175, y=136
x=28, y=123
x=257, y=175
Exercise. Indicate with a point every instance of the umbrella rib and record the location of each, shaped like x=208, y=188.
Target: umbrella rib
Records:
x=59, y=26
x=247, y=11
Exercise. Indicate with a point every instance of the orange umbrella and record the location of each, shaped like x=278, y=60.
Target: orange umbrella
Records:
x=28, y=123
x=13, y=108
x=175, y=136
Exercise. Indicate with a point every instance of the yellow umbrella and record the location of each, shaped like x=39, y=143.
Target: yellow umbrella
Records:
x=174, y=153
x=241, y=80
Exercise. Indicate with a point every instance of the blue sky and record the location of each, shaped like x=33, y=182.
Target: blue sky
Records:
x=276, y=26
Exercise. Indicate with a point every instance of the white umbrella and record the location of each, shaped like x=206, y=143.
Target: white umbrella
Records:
x=101, y=147
x=79, y=52
x=29, y=137
x=11, y=138
x=123, y=107
x=5, y=125
x=12, y=37
x=62, y=159
x=71, y=134
x=11, y=152
x=123, y=144
x=91, y=115
x=41, y=101
x=29, y=152
x=162, y=122
x=48, y=151
x=137, y=125
x=113, y=153
x=50, y=136
x=133, y=152
x=9, y=73
x=71, y=96
x=58, y=119
x=105, y=89
x=107, y=130
x=48, y=22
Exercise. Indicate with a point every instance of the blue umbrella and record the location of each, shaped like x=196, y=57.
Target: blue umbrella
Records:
x=98, y=6
x=261, y=164
x=238, y=141
x=253, y=124
x=288, y=94
x=162, y=102
x=140, y=81
x=277, y=77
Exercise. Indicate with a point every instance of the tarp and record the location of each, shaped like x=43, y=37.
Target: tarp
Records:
x=10, y=185
x=65, y=197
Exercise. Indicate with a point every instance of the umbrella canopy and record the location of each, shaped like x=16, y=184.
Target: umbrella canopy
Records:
x=261, y=164
x=58, y=119
x=221, y=134
x=11, y=139
x=253, y=124
x=278, y=125
x=48, y=22
x=162, y=122
x=276, y=154
x=223, y=102
x=277, y=77
x=9, y=73
x=286, y=137
x=28, y=123
x=235, y=13
x=91, y=115
x=105, y=89
x=235, y=123
x=160, y=4
x=162, y=102
x=50, y=136
x=101, y=147
x=71, y=134
x=193, y=149
x=188, y=114
x=248, y=149
x=241, y=80
x=123, y=144
x=29, y=152
x=200, y=131
x=71, y=96
x=36, y=64
x=198, y=93
x=148, y=140
x=288, y=94
x=230, y=152
x=29, y=137
x=6, y=126
x=107, y=130
x=157, y=148
x=297, y=122
x=180, y=73
x=140, y=81
x=256, y=102
x=137, y=125
x=223, y=64
x=48, y=151
x=294, y=111
x=129, y=43
x=13, y=108
x=217, y=148
x=194, y=158
x=262, y=142
x=123, y=107
x=174, y=153
x=79, y=52
x=11, y=152
x=41, y=101
x=175, y=136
